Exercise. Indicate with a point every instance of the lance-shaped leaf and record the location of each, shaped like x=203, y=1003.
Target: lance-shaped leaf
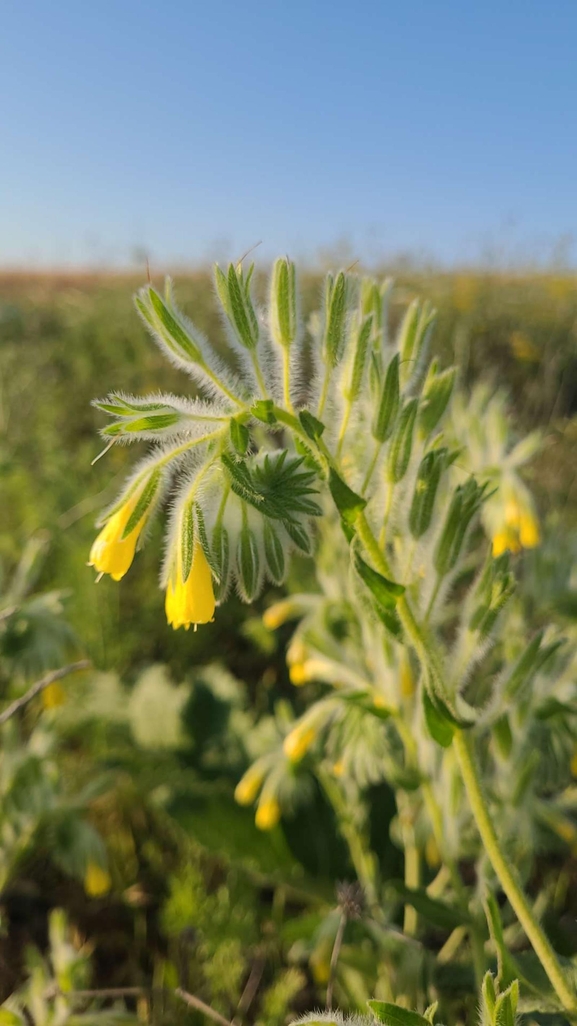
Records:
x=362, y=339
x=248, y=563
x=385, y=592
x=424, y=495
x=348, y=503
x=395, y=1015
x=274, y=553
x=146, y=501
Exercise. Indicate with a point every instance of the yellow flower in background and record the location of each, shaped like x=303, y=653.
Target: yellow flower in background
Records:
x=96, y=880
x=297, y=743
x=520, y=529
x=111, y=553
x=249, y=785
x=191, y=601
x=267, y=813
x=53, y=696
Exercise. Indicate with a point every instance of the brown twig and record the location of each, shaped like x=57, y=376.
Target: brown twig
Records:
x=193, y=1002
x=50, y=678
x=335, y=958
x=252, y=984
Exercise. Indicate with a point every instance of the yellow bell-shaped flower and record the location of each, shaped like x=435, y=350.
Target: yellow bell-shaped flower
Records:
x=190, y=601
x=111, y=553
x=267, y=813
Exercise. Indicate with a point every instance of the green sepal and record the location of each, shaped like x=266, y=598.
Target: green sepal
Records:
x=263, y=410
x=186, y=541
x=284, y=298
x=239, y=436
x=384, y=592
x=388, y=408
x=310, y=424
x=402, y=443
x=395, y=1015
x=428, y=477
x=437, y=392
x=335, y=328
x=274, y=553
x=506, y=1006
x=240, y=310
x=203, y=539
x=298, y=535
x=144, y=503
x=221, y=557
x=248, y=562
x=180, y=340
x=348, y=503
x=156, y=422
x=360, y=358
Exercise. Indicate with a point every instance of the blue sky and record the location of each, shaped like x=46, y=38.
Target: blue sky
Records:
x=438, y=129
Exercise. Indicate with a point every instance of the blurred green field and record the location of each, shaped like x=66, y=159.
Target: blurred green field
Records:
x=192, y=856
x=65, y=340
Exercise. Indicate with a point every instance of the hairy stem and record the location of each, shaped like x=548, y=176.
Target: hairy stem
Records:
x=507, y=876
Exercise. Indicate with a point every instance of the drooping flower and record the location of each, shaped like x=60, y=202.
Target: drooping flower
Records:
x=190, y=601
x=267, y=813
x=519, y=529
x=111, y=552
x=298, y=741
x=249, y=785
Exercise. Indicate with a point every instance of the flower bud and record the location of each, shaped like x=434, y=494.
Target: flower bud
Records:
x=336, y=318
x=437, y=391
x=284, y=314
x=466, y=501
x=268, y=812
x=402, y=443
x=250, y=783
x=233, y=290
x=298, y=741
x=428, y=477
x=167, y=325
x=386, y=414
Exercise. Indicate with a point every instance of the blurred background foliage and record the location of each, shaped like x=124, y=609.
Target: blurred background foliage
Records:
x=117, y=785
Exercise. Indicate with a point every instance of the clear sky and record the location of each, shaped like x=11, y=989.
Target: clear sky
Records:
x=187, y=130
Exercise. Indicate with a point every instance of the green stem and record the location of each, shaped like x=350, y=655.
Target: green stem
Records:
x=343, y=430
x=259, y=375
x=188, y=445
x=324, y=392
x=287, y=379
x=220, y=384
x=507, y=876
x=372, y=466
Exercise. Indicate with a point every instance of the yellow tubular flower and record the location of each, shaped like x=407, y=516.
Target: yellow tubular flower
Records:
x=191, y=601
x=111, y=553
x=297, y=743
x=529, y=533
x=96, y=880
x=248, y=786
x=504, y=540
x=267, y=813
